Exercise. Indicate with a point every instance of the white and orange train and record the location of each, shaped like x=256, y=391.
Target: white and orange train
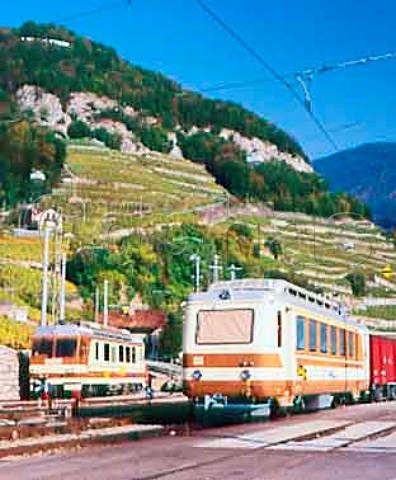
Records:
x=88, y=359
x=269, y=340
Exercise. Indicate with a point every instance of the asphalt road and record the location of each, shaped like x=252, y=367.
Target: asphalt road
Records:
x=199, y=456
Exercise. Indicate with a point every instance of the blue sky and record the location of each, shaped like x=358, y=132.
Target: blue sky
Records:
x=177, y=38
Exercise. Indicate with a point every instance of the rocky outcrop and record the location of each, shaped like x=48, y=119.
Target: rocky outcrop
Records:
x=88, y=107
x=129, y=144
x=45, y=107
x=258, y=151
x=176, y=150
x=85, y=106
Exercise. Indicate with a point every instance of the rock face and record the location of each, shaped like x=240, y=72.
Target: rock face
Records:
x=45, y=107
x=129, y=144
x=9, y=374
x=258, y=151
x=176, y=150
x=88, y=107
x=85, y=105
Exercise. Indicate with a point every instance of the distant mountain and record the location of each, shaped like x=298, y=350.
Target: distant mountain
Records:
x=369, y=173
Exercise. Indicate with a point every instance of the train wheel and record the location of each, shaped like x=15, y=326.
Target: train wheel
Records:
x=274, y=407
x=336, y=401
x=299, y=404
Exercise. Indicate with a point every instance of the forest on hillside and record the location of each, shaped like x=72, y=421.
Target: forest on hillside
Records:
x=90, y=66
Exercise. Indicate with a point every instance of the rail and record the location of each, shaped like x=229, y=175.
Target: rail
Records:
x=169, y=369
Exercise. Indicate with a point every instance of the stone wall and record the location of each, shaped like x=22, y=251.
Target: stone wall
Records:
x=9, y=374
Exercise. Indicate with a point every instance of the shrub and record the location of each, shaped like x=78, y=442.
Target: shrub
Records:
x=156, y=139
x=78, y=129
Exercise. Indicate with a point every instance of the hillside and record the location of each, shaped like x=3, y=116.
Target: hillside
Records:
x=369, y=173
x=73, y=88
x=147, y=174
x=60, y=62
x=135, y=220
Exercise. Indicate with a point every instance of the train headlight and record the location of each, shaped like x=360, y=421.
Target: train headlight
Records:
x=245, y=375
x=197, y=375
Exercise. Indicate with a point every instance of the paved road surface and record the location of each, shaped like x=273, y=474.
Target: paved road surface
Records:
x=355, y=443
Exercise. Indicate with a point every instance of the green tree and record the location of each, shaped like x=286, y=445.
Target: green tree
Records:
x=156, y=138
x=275, y=247
x=358, y=283
x=78, y=129
x=111, y=140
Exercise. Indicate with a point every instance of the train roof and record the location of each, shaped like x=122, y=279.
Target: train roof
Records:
x=88, y=330
x=254, y=290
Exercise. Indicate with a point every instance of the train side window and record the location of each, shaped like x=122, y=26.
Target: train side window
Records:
x=333, y=341
x=342, y=341
x=300, y=333
x=279, y=329
x=357, y=346
x=313, y=329
x=106, y=352
x=113, y=354
x=133, y=354
x=121, y=353
x=96, y=350
x=323, y=338
x=351, y=346
x=128, y=354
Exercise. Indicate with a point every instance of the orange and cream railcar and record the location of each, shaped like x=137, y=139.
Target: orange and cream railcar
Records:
x=90, y=359
x=271, y=340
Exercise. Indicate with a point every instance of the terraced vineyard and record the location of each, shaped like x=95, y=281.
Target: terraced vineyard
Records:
x=20, y=272
x=324, y=253
x=106, y=189
x=105, y=192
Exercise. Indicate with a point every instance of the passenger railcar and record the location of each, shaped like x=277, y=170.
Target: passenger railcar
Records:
x=269, y=340
x=89, y=359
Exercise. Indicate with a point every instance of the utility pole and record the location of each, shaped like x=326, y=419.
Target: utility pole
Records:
x=216, y=268
x=196, y=259
x=97, y=305
x=56, y=272
x=106, y=303
x=44, y=287
x=233, y=270
x=62, y=301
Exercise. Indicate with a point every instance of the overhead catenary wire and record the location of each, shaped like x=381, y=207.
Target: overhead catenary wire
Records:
x=308, y=72
x=94, y=11
x=259, y=58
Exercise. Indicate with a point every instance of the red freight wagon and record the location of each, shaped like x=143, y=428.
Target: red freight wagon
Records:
x=383, y=366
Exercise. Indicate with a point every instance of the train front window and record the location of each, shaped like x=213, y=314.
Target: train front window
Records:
x=224, y=327
x=42, y=346
x=66, y=347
